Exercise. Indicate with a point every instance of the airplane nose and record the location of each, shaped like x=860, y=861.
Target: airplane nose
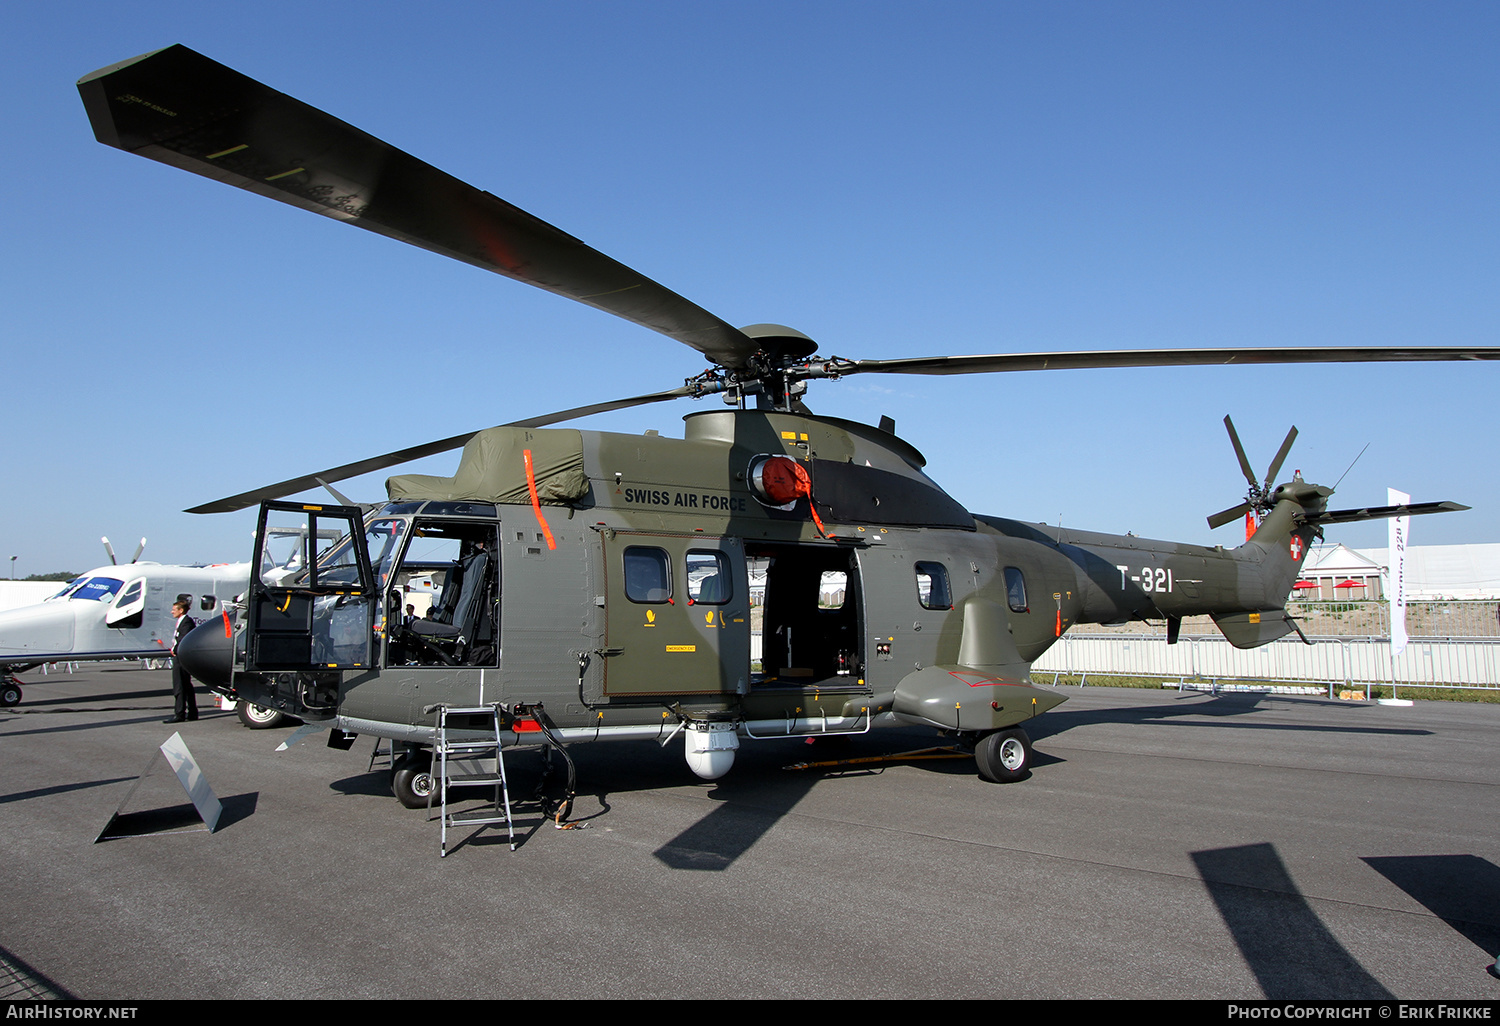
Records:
x=207, y=654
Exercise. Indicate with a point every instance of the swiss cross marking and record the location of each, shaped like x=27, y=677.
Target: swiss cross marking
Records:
x=1296, y=547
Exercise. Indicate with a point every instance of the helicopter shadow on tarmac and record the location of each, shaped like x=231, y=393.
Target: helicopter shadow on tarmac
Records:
x=1295, y=956
x=1223, y=706
x=1284, y=942
x=1461, y=890
x=748, y=803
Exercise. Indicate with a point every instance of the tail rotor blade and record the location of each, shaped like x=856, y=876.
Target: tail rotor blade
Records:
x=1239, y=450
x=1286, y=447
x=1224, y=517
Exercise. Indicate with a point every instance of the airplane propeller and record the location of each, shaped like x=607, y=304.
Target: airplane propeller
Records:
x=111, y=550
x=181, y=108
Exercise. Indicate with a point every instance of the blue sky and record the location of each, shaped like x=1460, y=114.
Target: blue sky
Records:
x=893, y=179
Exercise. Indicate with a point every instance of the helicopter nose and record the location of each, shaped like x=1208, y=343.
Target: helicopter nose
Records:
x=207, y=653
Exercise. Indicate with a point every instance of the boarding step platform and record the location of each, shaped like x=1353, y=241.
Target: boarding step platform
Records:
x=462, y=760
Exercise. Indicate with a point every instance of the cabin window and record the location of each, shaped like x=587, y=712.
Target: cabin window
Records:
x=708, y=578
x=131, y=593
x=932, y=586
x=207, y=603
x=648, y=574
x=1015, y=590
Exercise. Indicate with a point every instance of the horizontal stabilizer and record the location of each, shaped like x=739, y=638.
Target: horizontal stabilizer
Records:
x=1251, y=630
x=1350, y=516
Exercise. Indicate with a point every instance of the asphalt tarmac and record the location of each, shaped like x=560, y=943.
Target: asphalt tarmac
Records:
x=1165, y=846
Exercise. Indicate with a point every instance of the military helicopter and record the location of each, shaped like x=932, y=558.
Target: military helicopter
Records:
x=597, y=586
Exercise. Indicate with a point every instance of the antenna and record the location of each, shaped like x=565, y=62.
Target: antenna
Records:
x=1349, y=468
x=111, y=550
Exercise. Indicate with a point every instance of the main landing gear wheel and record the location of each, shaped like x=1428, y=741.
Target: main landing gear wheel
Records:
x=411, y=780
x=258, y=717
x=1004, y=756
x=10, y=693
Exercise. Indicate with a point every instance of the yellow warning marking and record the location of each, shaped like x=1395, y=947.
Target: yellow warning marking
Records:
x=225, y=153
x=682, y=648
x=286, y=174
x=1255, y=618
x=790, y=436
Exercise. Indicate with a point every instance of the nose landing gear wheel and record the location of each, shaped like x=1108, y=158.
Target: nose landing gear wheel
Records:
x=258, y=717
x=1004, y=756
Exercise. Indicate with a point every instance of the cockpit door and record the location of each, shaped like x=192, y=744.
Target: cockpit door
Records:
x=312, y=602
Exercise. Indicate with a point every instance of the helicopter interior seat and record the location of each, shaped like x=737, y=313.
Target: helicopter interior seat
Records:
x=712, y=590
x=468, y=615
x=442, y=609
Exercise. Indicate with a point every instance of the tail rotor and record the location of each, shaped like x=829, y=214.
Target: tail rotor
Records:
x=1258, y=499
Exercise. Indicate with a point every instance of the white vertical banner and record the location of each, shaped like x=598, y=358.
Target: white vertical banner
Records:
x=1395, y=593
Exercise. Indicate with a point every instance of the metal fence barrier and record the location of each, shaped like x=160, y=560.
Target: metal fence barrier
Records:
x=1453, y=643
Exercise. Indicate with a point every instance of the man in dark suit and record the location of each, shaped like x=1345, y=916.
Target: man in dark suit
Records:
x=184, y=702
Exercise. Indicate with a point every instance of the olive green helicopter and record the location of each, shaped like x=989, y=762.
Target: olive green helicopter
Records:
x=773, y=574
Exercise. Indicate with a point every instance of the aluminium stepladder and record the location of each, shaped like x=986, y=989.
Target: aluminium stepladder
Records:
x=461, y=761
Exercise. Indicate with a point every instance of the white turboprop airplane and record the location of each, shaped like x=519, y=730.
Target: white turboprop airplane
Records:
x=124, y=611
x=120, y=611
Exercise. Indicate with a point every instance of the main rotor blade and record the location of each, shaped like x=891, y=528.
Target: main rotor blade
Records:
x=391, y=459
x=1084, y=360
x=181, y=108
x=1286, y=447
x=1239, y=450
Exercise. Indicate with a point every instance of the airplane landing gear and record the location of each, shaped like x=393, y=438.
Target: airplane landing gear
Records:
x=1004, y=756
x=10, y=692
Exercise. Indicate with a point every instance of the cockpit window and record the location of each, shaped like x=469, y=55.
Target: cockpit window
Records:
x=99, y=589
x=382, y=542
x=75, y=582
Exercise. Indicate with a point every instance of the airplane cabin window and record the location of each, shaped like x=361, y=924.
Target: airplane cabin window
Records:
x=206, y=603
